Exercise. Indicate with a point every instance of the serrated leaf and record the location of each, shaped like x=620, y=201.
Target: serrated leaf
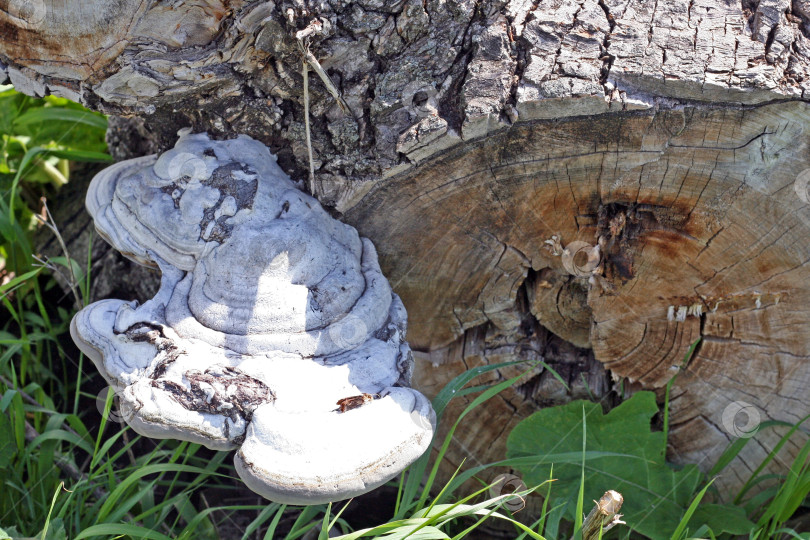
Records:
x=629, y=458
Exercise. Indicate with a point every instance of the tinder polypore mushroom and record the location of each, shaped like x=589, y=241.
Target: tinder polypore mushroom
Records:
x=274, y=330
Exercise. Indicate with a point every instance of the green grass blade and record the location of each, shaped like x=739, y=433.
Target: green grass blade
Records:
x=121, y=529
x=271, y=529
x=19, y=280
x=484, y=396
x=581, y=495
x=263, y=516
x=681, y=529
x=324, y=533
x=80, y=155
x=136, y=475
x=60, y=114
x=793, y=534
x=50, y=511
x=771, y=455
x=417, y=470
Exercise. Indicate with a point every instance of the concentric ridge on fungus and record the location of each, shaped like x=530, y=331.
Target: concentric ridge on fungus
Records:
x=270, y=314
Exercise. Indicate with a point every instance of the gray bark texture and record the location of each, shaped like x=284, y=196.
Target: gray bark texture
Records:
x=485, y=140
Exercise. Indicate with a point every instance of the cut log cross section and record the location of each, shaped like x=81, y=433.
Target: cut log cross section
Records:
x=701, y=233
x=600, y=182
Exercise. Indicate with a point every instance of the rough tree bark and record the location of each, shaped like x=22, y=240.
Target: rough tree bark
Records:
x=486, y=137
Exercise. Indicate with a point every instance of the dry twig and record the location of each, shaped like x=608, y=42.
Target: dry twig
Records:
x=604, y=516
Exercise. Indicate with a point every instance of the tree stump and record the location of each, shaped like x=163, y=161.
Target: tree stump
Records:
x=596, y=183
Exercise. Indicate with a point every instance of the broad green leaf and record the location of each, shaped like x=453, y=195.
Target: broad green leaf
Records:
x=722, y=518
x=8, y=533
x=656, y=495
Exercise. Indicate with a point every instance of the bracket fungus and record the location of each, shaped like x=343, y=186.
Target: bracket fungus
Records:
x=273, y=331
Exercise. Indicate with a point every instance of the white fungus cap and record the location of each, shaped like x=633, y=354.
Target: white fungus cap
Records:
x=274, y=330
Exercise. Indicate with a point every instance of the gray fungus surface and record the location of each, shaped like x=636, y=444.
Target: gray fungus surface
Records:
x=274, y=331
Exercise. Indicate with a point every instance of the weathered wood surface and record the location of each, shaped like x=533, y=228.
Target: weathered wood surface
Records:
x=486, y=137
x=684, y=222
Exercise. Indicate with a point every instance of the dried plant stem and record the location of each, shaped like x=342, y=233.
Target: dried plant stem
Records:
x=315, y=27
x=604, y=516
x=49, y=222
x=330, y=86
x=305, y=68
